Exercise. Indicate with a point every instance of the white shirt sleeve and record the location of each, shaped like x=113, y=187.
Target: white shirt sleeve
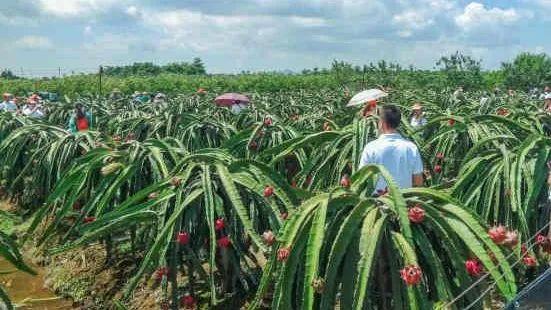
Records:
x=364, y=160
x=416, y=161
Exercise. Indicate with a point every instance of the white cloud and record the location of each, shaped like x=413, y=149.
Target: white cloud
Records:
x=440, y=5
x=543, y=3
x=133, y=11
x=34, y=42
x=73, y=8
x=308, y=21
x=15, y=20
x=411, y=21
x=422, y=15
x=110, y=44
x=475, y=15
x=274, y=34
x=202, y=32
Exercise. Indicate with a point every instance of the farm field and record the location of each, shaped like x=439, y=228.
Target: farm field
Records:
x=184, y=204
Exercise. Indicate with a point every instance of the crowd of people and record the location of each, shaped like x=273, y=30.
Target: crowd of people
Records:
x=398, y=155
x=31, y=107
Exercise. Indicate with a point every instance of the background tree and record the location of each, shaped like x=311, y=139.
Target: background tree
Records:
x=461, y=70
x=528, y=70
x=198, y=67
x=150, y=69
x=7, y=74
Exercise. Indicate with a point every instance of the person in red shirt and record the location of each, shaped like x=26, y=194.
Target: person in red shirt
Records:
x=80, y=120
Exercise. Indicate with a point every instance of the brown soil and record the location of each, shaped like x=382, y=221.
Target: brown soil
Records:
x=83, y=276
x=29, y=292
x=80, y=278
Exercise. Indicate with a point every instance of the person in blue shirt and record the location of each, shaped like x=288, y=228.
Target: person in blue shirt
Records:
x=144, y=98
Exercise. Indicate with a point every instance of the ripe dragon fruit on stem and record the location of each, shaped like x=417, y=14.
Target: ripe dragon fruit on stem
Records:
x=160, y=273
x=219, y=224
x=498, y=234
x=416, y=214
x=182, y=238
x=529, y=261
x=411, y=275
x=224, y=242
x=541, y=239
x=268, y=191
x=188, y=302
x=473, y=267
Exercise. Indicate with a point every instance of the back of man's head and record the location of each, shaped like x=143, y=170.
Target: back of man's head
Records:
x=390, y=114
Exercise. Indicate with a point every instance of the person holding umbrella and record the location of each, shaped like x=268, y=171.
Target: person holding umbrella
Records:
x=417, y=116
x=369, y=98
x=236, y=102
x=398, y=155
x=237, y=107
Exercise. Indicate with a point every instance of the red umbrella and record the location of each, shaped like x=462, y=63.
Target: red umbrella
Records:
x=231, y=98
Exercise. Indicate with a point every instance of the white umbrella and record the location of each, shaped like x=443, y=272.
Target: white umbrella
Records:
x=366, y=96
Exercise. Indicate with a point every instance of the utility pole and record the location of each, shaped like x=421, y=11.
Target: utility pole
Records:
x=99, y=86
x=59, y=71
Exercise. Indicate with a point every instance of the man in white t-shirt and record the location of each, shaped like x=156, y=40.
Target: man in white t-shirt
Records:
x=398, y=155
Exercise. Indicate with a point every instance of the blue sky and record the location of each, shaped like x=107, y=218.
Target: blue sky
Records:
x=233, y=35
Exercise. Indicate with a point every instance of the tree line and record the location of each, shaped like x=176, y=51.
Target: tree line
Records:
x=525, y=71
x=196, y=67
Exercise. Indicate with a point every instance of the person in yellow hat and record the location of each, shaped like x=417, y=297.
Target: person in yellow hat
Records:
x=417, y=116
